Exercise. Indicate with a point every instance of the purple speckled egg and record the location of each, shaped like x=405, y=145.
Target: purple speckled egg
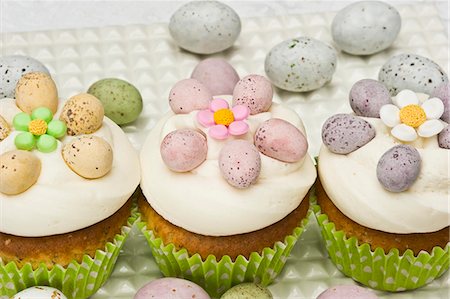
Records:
x=345, y=133
x=399, y=168
x=347, y=292
x=444, y=138
x=217, y=75
x=189, y=95
x=171, y=288
x=184, y=150
x=240, y=163
x=367, y=96
x=281, y=140
x=443, y=92
x=255, y=92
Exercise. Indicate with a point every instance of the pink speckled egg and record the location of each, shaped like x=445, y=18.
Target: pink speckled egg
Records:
x=171, y=288
x=240, y=163
x=184, y=150
x=255, y=92
x=347, y=292
x=281, y=140
x=217, y=75
x=189, y=95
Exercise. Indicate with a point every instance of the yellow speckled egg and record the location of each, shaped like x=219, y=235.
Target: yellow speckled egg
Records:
x=19, y=171
x=36, y=90
x=88, y=156
x=83, y=114
x=4, y=128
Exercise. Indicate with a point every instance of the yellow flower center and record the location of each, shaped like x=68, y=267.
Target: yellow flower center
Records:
x=412, y=115
x=37, y=127
x=223, y=117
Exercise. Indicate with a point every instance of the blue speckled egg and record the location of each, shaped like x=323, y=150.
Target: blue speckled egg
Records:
x=345, y=133
x=399, y=168
x=410, y=71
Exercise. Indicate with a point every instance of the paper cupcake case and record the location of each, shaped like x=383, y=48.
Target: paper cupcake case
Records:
x=77, y=280
x=216, y=277
x=388, y=272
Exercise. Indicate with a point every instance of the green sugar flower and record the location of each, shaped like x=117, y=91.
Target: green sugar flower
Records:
x=40, y=130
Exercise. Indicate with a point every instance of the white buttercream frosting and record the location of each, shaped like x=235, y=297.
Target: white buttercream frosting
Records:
x=201, y=201
x=351, y=183
x=61, y=201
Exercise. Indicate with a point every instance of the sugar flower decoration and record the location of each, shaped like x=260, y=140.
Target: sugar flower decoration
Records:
x=40, y=130
x=408, y=119
x=223, y=121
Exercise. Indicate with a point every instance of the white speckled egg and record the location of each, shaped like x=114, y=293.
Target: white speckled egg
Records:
x=12, y=67
x=413, y=72
x=301, y=64
x=240, y=163
x=90, y=157
x=366, y=27
x=39, y=292
x=205, y=27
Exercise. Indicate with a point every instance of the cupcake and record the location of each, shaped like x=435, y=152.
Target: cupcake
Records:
x=225, y=183
x=68, y=175
x=383, y=191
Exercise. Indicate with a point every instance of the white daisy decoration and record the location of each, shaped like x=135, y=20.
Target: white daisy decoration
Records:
x=409, y=119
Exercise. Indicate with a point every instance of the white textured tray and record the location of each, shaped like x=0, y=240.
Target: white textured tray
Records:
x=147, y=57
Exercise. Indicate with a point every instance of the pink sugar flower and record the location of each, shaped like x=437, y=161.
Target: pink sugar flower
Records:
x=223, y=121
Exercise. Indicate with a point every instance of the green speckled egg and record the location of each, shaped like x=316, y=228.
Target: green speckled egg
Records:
x=247, y=291
x=121, y=100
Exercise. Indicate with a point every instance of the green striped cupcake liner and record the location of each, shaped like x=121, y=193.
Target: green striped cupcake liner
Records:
x=392, y=272
x=216, y=277
x=77, y=280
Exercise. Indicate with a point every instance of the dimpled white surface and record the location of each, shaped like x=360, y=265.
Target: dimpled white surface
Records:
x=147, y=57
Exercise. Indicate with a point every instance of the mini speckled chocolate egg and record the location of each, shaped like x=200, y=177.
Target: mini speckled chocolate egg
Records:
x=367, y=96
x=90, y=157
x=40, y=292
x=347, y=292
x=19, y=171
x=280, y=140
x=240, y=163
x=443, y=92
x=217, y=75
x=83, y=114
x=247, y=291
x=255, y=92
x=36, y=90
x=4, y=128
x=173, y=288
x=12, y=68
x=345, y=133
x=300, y=64
x=205, y=27
x=189, y=95
x=366, y=27
x=121, y=100
x=399, y=168
x=410, y=71
x=444, y=138
x=184, y=150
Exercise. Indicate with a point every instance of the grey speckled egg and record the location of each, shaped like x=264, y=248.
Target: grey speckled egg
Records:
x=205, y=27
x=345, y=133
x=410, y=71
x=399, y=168
x=240, y=163
x=247, y=291
x=12, y=68
x=367, y=96
x=300, y=64
x=443, y=92
x=366, y=27
x=444, y=138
